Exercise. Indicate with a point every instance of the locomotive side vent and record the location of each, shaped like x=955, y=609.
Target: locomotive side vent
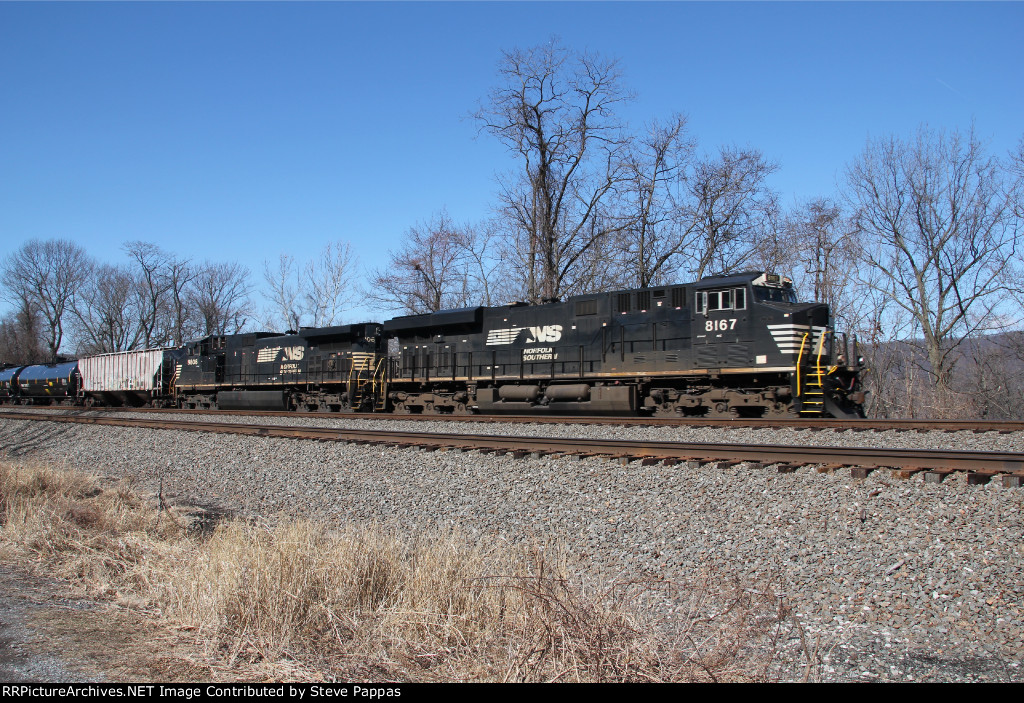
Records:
x=586, y=307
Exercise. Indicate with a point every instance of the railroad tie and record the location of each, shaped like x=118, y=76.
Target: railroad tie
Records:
x=906, y=472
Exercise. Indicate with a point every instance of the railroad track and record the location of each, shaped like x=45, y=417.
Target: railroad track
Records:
x=812, y=424
x=979, y=466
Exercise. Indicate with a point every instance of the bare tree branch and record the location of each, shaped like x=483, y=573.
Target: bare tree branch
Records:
x=220, y=295
x=45, y=277
x=556, y=111
x=941, y=227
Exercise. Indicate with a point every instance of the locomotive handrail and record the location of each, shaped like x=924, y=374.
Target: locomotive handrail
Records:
x=378, y=373
x=821, y=350
x=799, y=358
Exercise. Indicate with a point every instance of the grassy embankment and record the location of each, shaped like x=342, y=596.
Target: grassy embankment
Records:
x=298, y=600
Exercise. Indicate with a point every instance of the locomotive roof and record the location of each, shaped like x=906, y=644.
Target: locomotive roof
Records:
x=728, y=279
x=444, y=318
x=471, y=315
x=339, y=331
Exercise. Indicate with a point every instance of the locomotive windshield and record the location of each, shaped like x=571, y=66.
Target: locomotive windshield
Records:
x=774, y=295
x=773, y=288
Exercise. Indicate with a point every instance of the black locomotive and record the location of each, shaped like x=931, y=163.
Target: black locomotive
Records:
x=329, y=368
x=737, y=345
x=725, y=346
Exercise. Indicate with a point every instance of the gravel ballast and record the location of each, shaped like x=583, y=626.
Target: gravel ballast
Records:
x=895, y=579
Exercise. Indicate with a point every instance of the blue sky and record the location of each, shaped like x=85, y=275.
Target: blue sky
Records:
x=237, y=131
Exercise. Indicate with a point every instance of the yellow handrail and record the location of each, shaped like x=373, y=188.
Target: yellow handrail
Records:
x=821, y=349
x=377, y=374
x=799, y=357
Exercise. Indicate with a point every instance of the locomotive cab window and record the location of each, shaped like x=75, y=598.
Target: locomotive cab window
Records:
x=774, y=295
x=730, y=299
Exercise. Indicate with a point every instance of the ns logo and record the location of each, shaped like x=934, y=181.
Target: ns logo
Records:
x=547, y=333
x=269, y=354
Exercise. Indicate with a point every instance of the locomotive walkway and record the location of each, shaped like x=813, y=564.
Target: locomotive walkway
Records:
x=980, y=466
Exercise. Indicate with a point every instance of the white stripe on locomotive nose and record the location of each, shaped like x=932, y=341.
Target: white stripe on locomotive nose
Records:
x=790, y=337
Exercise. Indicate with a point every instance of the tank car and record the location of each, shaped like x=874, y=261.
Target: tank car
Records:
x=329, y=368
x=724, y=346
x=48, y=384
x=9, y=383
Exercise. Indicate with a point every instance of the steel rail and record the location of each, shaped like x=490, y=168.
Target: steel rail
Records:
x=985, y=463
x=858, y=425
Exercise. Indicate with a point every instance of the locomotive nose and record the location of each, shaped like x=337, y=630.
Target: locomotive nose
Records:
x=814, y=315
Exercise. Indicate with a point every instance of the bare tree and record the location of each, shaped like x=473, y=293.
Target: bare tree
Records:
x=111, y=312
x=183, y=322
x=653, y=235
x=219, y=293
x=728, y=208
x=823, y=256
x=428, y=273
x=20, y=340
x=330, y=290
x=318, y=292
x=938, y=225
x=44, y=277
x=555, y=110
x=286, y=291
x=154, y=281
x=485, y=275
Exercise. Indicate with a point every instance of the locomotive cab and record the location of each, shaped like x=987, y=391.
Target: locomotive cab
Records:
x=199, y=371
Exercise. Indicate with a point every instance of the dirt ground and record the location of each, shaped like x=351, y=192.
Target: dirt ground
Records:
x=46, y=636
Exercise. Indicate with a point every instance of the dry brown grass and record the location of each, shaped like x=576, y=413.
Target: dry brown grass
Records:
x=297, y=600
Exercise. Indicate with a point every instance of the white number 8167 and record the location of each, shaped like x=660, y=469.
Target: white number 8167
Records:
x=719, y=325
